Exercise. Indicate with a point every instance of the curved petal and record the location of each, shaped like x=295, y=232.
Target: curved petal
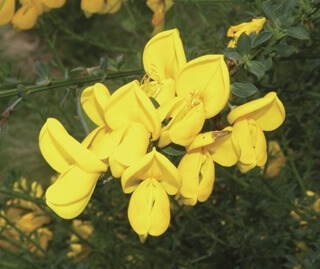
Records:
x=32, y=221
x=116, y=167
x=111, y=6
x=92, y=6
x=183, y=132
x=93, y=140
x=171, y=107
x=259, y=143
x=71, y=192
x=131, y=104
x=242, y=136
x=197, y=173
x=267, y=111
x=25, y=17
x=149, y=209
x=163, y=56
x=152, y=165
x=93, y=100
x=61, y=150
x=206, y=78
x=7, y=9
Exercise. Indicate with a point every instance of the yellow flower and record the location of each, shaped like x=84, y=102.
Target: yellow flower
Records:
x=278, y=160
x=203, y=89
x=7, y=8
x=163, y=59
x=249, y=121
x=197, y=165
x=255, y=26
x=91, y=6
x=79, y=251
x=26, y=16
x=159, y=8
x=150, y=179
x=78, y=167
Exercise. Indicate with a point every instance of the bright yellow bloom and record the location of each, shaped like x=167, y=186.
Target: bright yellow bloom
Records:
x=197, y=165
x=26, y=16
x=150, y=179
x=203, y=88
x=278, y=160
x=79, y=167
x=255, y=26
x=79, y=251
x=163, y=59
x=7, y=8
x=249, y=121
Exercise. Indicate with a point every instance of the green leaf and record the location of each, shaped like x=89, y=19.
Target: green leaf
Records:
x=244, y=44
x=261, y=38
x=243, y=90
x=255, y=68
x=174, y=150
x=267, y=63
x=298, y=33
x=232, y=53
x=270, y=12
x=287, y=8
x=43, y=72
x=284, y=50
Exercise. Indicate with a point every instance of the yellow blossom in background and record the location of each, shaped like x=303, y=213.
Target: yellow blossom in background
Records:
x=249, y=121
x=79, y=251
x=7, y=8
x=151, y=179
x=53, y=3
x=28, y=218
x=111, y=6
x=159, y=8
x=91, y=7
x=26, y=16
x=278, y=160
x=255, y=26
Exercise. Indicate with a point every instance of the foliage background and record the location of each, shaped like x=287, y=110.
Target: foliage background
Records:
x=246, y=223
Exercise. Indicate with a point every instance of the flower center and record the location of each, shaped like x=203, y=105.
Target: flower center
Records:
x=150, y=85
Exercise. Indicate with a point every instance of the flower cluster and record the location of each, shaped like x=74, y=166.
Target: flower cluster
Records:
x=22, y=224
x=27, y=14
x=91, y=7
x=140, y=121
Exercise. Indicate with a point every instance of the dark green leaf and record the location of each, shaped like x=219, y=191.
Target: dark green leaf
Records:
x=232, y=54
x=267, y=63
x=298, y=32
x=244, y=44
x=174, y=150
x=255, y=68
x=284, y=50
x=261, y=38
x=287, y=7
x=243, y=90
x=270, y=11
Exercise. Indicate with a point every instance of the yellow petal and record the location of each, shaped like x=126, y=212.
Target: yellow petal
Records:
x=69, y=195
x=7, y=8
x=149, y=209
x=116, y=167
x=206, y=78
x=163, y=55
x=111, y=6
x=92, y=6
x=93, y=140
x=267, y=111
x=259, y=143
x=26, y=17
x=242, y=136
x=32, y=221
x=130, y=104
x=152, y=165
x=61, y=150
x=197, y=173
x=93, y=100
x=178, y=130
x=278, y=160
